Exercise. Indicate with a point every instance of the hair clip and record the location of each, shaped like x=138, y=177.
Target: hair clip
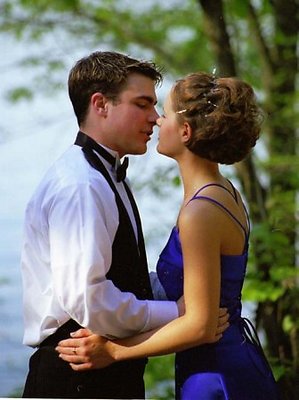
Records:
x=214, y=83
x=214, y=105
x=181, y=111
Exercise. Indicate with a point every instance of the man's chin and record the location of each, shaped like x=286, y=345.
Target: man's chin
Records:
x=139, y=152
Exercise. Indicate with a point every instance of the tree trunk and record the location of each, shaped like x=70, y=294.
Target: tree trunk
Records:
x=279, y=69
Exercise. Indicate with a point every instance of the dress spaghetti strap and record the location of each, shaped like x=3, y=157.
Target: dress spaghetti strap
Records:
x=196, y=196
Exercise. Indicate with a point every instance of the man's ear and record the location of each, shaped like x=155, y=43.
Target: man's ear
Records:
x=99, y=103
x=186, y=132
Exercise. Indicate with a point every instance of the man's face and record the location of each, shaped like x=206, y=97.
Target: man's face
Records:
x=131, y=119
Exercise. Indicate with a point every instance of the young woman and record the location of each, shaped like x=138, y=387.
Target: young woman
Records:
x=206, y=121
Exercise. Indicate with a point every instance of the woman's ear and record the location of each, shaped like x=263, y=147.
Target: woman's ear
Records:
x=99, y=103
x=186, y=132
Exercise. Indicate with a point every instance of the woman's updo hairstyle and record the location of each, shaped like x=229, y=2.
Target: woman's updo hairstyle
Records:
x=223, y=114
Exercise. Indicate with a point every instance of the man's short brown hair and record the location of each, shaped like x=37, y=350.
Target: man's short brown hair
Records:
x=105, y=72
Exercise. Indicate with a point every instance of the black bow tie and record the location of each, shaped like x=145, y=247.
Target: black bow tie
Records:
x=120, y=168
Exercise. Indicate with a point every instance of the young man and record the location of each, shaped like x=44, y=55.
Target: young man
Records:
x=83, y=259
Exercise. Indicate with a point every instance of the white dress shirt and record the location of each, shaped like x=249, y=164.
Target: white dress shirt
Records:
x=70, y=225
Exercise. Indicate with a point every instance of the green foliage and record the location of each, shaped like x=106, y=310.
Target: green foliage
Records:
x=4, y=281
x=278, y=369
x=257, y=290
x=269, y=248
x=20, y=93
x=159, y=378
x=289, y=324
x=174, y=39
x=269, y=245
x=16, y=393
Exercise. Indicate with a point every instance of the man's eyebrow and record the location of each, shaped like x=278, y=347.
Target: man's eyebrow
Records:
x=149, y=99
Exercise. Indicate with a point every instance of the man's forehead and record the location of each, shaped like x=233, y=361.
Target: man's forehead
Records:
x=140, y=87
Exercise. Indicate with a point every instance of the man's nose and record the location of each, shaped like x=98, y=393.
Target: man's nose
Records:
x=154, y=116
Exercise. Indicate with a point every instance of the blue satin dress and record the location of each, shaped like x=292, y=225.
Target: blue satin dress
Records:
x=234, y=368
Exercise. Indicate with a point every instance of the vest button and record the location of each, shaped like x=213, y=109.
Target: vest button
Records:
x=80, y=388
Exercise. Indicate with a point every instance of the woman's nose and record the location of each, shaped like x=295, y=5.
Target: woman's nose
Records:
x=158, y=121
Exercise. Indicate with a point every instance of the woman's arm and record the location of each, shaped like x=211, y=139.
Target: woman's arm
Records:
x=87, y=350
x=201, y=240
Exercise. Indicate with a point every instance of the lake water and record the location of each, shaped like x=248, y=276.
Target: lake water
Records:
x=13, y=354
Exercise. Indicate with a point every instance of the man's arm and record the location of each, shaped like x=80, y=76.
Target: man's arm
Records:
x=82, y=230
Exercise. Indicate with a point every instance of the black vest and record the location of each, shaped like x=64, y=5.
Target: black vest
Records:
x=128, y=270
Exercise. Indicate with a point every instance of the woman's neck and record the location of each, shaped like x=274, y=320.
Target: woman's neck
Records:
x=197, y=172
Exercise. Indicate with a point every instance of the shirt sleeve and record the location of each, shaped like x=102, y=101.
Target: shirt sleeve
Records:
x=82, y=226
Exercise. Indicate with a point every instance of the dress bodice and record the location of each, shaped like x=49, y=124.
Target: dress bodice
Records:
x=233, y=268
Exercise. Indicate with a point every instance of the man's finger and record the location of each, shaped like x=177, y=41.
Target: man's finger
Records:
x=222, y=328
x=223, y=320
x=80, y=333
x=222, y=312
x=81, y=367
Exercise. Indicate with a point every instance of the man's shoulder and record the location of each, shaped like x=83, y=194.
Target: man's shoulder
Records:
x=71, y=172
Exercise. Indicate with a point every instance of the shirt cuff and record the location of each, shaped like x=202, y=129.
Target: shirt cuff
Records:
x=161, y=312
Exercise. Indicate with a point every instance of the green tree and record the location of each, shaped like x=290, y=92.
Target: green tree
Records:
x=255, y=40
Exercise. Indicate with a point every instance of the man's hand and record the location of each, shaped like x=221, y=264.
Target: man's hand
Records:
x=222, y=324
x=85, y=350
x=181, y=306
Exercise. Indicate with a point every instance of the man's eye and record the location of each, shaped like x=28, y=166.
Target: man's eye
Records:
x=140, y=105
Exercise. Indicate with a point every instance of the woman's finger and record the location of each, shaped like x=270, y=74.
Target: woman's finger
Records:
x=70, y=343
x=74, y=359
x=81, y=367
x=68, y=350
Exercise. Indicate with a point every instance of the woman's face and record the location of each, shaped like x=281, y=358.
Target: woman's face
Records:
x=170, y=143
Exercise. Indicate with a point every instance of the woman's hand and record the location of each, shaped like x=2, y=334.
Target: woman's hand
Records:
x=86, y=350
